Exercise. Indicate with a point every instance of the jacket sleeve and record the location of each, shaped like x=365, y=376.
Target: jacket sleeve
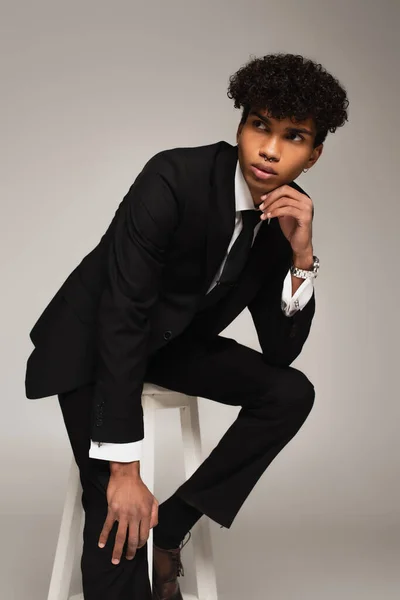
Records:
x=281, y=337
x=145, y=224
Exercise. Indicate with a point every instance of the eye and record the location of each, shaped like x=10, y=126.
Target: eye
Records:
x=258, y=121
x=295, y=133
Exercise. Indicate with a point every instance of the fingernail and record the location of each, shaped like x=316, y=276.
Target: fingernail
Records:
x=263, y=197
x=261, y=206
x=115, y=561
x=101, y=545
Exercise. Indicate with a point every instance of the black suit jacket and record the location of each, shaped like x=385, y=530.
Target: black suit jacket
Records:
x=140, y=287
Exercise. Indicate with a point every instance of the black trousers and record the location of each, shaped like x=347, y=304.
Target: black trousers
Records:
x=274, y=401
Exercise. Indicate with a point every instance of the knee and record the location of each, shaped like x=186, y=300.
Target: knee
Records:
x=305, y=389
x=293, y=388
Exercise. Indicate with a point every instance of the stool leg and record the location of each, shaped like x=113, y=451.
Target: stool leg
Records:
x=67, y=538
x=147, y=463
x=205, y=572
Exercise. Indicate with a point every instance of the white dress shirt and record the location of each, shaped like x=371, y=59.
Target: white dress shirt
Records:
x=130, y=451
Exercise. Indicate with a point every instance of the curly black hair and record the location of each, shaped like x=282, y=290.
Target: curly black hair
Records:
x=290, y=86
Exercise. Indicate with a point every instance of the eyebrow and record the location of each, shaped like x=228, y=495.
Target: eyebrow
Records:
x=268, y=122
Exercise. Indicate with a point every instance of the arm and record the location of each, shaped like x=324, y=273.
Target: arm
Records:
x=145, y=226
x=293, y=202
x=281, y=337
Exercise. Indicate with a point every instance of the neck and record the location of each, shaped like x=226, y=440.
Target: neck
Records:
x=256, y=199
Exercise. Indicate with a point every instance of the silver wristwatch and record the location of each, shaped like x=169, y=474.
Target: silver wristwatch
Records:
x=306, y=274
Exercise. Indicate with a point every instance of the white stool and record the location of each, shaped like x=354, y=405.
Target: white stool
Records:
x=154, y=397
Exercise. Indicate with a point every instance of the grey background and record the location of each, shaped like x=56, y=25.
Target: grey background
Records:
x=91, y=90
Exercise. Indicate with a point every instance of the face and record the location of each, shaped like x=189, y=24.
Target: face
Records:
x=289, y=144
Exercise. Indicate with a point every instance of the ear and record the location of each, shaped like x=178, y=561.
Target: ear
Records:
x=239, y=131
x=316, y=154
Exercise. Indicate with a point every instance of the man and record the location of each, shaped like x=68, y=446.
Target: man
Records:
x=203, y=233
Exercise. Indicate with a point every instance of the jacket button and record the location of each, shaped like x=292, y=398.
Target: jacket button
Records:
x=167, y=334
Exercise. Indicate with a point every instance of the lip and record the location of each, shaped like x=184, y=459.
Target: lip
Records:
x=265, y=173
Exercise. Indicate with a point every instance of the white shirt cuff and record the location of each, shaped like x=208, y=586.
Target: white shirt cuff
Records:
x=291, y=304
x=126, y=452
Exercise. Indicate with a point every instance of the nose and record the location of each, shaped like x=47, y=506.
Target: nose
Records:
x=271, y=150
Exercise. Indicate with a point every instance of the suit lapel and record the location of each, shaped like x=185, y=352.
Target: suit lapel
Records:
x=221, y=211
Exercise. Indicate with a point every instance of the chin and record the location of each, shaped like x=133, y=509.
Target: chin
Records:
x=262, y=186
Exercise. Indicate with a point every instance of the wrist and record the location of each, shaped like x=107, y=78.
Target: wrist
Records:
x=130, y=469
x=305, y=260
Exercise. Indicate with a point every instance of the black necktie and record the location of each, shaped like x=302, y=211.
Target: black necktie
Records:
x=241, y=248
x=235, y=261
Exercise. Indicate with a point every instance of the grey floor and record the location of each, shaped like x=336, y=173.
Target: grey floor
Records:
x=314, y=559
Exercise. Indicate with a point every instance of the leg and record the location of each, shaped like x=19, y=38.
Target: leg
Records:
x=129, y=580
x=275, y=403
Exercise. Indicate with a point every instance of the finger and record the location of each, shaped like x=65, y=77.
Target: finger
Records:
x=144, y=529
x=133, y=538
x=283, y=190
x=283, y=201
x=286, y=211
x=275, y=194
x=119, y=540
x=154, y=515
x=105, y=532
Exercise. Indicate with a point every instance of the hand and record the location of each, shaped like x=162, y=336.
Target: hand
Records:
x=295, y=212
x=131, y=504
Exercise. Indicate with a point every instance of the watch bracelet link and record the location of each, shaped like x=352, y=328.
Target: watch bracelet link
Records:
x=303, y=274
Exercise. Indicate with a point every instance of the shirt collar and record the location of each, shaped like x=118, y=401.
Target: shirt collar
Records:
x=243, y=198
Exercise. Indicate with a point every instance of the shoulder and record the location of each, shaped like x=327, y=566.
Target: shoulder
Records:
x=182, y=172
x=181, y=161
x=298, y=188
